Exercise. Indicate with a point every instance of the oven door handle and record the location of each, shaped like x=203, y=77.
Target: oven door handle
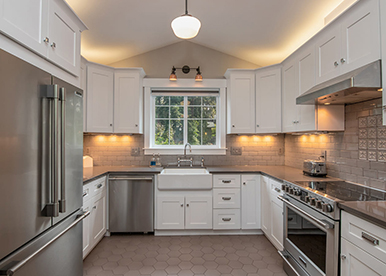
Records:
x=317, y=221
x=285, y=258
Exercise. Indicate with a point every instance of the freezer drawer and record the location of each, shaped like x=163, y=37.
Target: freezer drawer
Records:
x=57, y=252
x=131, y=203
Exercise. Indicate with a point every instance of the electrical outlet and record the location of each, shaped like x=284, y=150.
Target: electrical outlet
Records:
x=236, y=150
x=87, y=150
x=135, y=151
x=281, y=151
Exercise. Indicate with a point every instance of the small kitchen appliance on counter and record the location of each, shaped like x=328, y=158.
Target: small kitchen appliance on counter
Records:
x=314, y=167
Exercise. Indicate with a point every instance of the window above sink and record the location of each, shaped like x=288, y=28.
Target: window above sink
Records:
x=189, y=113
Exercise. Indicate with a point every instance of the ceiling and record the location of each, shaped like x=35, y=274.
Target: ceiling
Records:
x=263, y=32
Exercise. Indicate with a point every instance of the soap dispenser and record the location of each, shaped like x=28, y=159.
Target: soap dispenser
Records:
x=153, y=162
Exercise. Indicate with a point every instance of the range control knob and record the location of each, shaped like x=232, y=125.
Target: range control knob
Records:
x=312, y=201
x=297, y=192
x=307, y=199
x=291, y=191
x=319, y=204
x=327, y=208
x=287, y=189
x=283, y=187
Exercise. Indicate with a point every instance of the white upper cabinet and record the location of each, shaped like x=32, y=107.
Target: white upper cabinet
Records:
x=268, y=99
x=128, y=101
x=26, y=22
x=240, y=101
x=48, y=27
x=100, y=95
x=298, y=77
x=290, y=90
x=64, y=35
x=351, y=41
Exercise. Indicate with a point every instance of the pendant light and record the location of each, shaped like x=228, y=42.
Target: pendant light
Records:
x=186, y=26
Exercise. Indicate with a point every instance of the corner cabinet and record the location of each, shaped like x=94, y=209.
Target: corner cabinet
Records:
x=298, y=76
x=48, y=28
x=128, y=100
x=100, y=98
x=240, y=101
x=268, y=99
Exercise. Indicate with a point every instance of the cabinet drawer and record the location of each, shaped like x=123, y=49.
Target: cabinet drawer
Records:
x=275, y=187
x=226, y=181
x=226, y=198
x=99, y=185
x=226, y=219
x=365, y=235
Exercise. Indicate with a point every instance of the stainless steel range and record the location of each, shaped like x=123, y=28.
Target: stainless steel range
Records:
x=311, y=224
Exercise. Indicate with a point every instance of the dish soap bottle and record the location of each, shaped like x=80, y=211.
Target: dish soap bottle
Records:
x=158, y=163
x=152, y=162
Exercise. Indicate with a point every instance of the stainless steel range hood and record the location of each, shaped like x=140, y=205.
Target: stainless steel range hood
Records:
x=356, y=86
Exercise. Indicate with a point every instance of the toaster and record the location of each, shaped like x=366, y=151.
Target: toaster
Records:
x=314, y=167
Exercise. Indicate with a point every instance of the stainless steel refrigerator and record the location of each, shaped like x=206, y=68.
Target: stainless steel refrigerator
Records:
x=41, y=147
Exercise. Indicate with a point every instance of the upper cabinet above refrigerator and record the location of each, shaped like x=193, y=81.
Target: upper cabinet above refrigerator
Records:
x=48, y=28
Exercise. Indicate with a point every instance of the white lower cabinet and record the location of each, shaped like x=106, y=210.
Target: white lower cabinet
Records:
x=272, y=211
x=226, y=219
x=250, y=202
x=177, y=212
x=95, y=201
x=363, y=247
x=357, y=262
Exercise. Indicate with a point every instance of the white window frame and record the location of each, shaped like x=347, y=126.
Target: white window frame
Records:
x=182, y=85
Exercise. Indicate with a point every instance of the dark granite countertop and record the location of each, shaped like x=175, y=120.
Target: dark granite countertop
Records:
x=373, y=211
x=279, y=172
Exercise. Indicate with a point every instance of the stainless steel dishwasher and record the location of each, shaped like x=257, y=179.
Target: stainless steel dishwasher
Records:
x=131, y=203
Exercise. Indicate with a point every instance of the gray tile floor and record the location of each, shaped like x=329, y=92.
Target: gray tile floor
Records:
x=133, y=255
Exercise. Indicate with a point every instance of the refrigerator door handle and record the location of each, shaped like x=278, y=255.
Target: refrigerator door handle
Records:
x=10, y=271
x=52, y=93
x=62, y=201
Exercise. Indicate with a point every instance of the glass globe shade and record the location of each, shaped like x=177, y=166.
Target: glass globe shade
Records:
x=186, y=26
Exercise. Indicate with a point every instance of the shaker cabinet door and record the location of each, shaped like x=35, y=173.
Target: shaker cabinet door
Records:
x=64, y=34
x=250, y=202
x=170, y=212
x=26, y=22
x=198, y=212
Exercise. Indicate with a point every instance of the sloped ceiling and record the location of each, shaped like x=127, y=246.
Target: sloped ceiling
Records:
x=263, y=32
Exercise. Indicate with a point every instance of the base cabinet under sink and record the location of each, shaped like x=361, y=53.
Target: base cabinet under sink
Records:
x=184, y=212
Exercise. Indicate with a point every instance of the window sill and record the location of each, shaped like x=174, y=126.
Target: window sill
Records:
x=164, y=151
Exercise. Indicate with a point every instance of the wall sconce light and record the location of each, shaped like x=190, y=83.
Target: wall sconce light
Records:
x=185, y=69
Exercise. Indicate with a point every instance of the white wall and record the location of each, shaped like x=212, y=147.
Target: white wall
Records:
x=158, y=63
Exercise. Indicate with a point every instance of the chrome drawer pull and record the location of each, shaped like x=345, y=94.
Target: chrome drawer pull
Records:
x=370, y=238
x=226, y=198
x=226, y=219
x=85, y=193
x=277, y=190
x=99, y=186
x=227, y=181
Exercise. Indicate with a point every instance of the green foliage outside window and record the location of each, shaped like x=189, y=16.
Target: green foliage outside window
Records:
x=171, y=117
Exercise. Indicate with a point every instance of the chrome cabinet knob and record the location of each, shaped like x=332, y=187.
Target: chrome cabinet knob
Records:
x=53, y=45
x=343, y=257
x=46, y=40
x=342, y=60
x=336, y=63
x=257, y=125
x=187, y=205
x=233, y=125
x=182, y=205
x=136, y=125
x=111, y=124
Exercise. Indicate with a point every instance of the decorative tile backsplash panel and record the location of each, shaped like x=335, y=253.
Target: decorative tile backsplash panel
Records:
x=358, y=154
x=372, y=134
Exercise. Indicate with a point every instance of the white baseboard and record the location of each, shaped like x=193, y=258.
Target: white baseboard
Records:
x=206, y=232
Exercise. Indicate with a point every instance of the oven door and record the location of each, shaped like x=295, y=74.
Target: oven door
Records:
x=311, y=239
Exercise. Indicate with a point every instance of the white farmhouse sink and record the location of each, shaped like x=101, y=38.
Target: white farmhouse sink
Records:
x=184, y=179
